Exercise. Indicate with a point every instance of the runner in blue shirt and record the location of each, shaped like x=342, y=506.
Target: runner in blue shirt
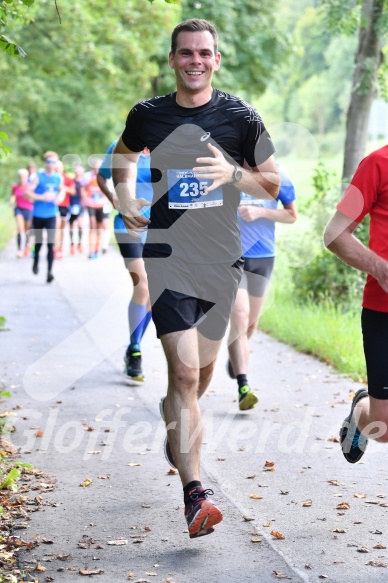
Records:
x=131, y=249
x=257, y=220
x=45, y=190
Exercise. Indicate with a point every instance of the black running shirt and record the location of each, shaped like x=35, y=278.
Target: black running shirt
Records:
x=185, y=222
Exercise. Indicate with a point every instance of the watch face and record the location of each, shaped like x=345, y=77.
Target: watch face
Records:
x=237, y=175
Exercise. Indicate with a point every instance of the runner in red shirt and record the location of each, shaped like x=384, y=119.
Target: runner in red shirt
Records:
x=367, y=195
x=64, y=210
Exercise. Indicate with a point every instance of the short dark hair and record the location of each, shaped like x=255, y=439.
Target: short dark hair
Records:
x=194, y=25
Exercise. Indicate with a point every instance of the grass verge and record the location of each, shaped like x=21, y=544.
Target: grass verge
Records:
x=7, y=224
x=318, y=329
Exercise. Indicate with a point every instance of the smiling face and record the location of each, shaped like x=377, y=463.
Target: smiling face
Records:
x=194, y=63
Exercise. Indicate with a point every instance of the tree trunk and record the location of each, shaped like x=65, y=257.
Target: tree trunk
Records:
x=367, y=62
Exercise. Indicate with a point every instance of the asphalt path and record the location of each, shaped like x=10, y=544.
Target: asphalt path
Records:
x=275, y=469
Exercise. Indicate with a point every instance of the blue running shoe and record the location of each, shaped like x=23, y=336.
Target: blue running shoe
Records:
x=353, y=442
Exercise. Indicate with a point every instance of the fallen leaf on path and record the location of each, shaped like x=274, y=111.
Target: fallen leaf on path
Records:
x=256, y=497
x=145, y=506
x=94, y=452
x=379, y=547
x=360, y=495
x=221, y=459
x=343, y=506
x=266, y=524
x=172, y=472
x=377, y=564
x=280, y=575
x=152, y=574
x=375, y=532
x=130, y=575
x=134, y=465
x=38, y=433
x=363, y=550
x=340, y=530
x=372, y=502
x=117, y=542
x=380, y=496
x=323, y=576
x=247, y=518
x=277, y=534
x=90, y=572
x=103, y=477
x=40, y=567
x=269, y=464
x=333, y=482
x=256, y=540
x=284, y=492
x=334, y=439
x=250, y=477
x=308, y=503
x=86, y=482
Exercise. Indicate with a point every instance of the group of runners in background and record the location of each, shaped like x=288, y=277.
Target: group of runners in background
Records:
x=51, y=199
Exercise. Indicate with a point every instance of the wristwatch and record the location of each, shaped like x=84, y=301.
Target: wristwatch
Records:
x=237, y=175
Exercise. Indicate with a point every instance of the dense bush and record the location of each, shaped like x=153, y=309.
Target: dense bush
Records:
x=325, y=277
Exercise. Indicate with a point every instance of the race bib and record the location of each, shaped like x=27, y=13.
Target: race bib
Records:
x=186, y=191
x=75, y=209
x=246, y=199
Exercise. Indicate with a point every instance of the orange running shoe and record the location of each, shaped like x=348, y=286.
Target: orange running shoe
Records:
x=201, y=514
x=72, y=249
x=80, y=248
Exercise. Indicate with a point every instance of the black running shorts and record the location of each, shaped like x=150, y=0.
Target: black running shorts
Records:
x=64, y=212
x=186, y=295
x=257, y=275
x=98, y=213
x=375, y=337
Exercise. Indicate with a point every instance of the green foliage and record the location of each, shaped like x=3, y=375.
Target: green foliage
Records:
x=325, y=279
x=80, y=78
x=13, y=13
x=4, y=148
x=8, y=479
x=323, y=329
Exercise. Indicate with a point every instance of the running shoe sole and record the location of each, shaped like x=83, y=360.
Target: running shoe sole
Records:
x=360, y=394
x=208, y=515
x=248, y=402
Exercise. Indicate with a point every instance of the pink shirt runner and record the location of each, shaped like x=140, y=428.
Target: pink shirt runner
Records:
x=21, y=202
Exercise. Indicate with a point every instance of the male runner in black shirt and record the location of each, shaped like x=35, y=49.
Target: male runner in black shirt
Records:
x=206, y=146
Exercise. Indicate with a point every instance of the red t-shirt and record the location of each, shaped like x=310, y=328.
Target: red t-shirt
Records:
x=67, y=183
x=368, y=194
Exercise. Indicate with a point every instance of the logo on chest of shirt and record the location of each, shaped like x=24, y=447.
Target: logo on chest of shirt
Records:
x=205, y=137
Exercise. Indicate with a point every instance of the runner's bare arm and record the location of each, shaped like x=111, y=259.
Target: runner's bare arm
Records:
x=339, y=238
x=261, y=181
x=111, y=196
x=124, y=174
